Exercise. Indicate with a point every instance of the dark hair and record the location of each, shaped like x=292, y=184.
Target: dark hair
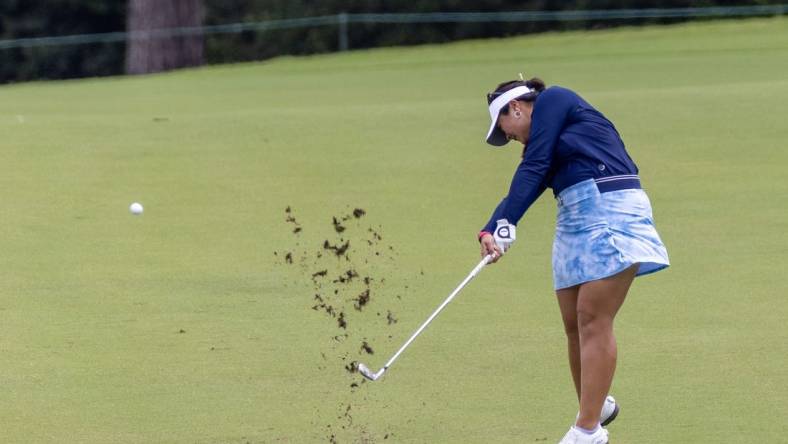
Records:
x=534, y=83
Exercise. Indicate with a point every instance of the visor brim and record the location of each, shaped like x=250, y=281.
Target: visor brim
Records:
x=495, y=136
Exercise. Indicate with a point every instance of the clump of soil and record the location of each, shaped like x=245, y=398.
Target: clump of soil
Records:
x=319, y=274
x=339, y=250
x=291, y=219
x=348, y=276
x=361, y=300
x=338, y=225
x=352, y=367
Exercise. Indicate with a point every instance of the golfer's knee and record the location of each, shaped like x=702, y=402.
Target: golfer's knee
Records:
x=591, y=323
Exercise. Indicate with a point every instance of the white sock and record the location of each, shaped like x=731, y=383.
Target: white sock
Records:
x=586, y=431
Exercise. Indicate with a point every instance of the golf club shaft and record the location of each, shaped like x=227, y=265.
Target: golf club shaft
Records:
x=454, y=293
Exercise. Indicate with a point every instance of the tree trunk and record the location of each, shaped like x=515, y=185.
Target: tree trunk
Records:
x=148, y=50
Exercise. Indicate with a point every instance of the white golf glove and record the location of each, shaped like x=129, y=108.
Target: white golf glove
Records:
x=504, y=235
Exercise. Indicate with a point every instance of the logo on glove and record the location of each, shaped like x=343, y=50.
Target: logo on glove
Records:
x=505, y=234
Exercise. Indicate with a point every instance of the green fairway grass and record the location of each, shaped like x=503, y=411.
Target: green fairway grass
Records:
x=182, y=326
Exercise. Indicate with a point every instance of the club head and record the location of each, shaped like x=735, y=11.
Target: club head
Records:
x=367, y=373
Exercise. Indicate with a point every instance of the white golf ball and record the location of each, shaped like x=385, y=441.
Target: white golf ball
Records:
x=136, y=208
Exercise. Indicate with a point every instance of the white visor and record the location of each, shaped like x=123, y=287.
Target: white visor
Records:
x=495, y=136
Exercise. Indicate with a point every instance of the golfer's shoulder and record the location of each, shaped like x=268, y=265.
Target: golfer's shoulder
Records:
x=556, y=100
x=559, y=94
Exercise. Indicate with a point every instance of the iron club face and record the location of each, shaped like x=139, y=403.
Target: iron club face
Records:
x=367, y=373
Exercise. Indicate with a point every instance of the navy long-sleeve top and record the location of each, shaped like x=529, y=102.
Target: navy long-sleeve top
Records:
x=569, y=142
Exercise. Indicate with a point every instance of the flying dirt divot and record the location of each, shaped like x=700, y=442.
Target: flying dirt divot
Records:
x=339, y=270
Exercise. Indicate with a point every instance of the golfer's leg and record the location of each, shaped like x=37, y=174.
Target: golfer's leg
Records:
x=597, y=305
x=567, y=302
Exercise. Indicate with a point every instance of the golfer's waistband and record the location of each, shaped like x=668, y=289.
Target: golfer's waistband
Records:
x=615, y=183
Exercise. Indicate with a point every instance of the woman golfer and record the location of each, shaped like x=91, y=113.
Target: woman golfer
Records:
x=604, y=235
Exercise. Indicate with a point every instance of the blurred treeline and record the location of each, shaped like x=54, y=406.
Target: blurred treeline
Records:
x=39, y=18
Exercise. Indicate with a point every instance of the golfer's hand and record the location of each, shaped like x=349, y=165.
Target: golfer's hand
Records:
x=504, y=235
x=489, y=246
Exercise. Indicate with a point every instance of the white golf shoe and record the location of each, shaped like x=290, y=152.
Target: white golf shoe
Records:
x=609, y=411
x=574, y=436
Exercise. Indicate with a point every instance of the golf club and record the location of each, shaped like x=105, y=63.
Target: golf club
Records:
x=367, y=373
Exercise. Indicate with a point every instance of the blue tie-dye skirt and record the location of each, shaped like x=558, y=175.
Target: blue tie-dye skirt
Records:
x=601, y=234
